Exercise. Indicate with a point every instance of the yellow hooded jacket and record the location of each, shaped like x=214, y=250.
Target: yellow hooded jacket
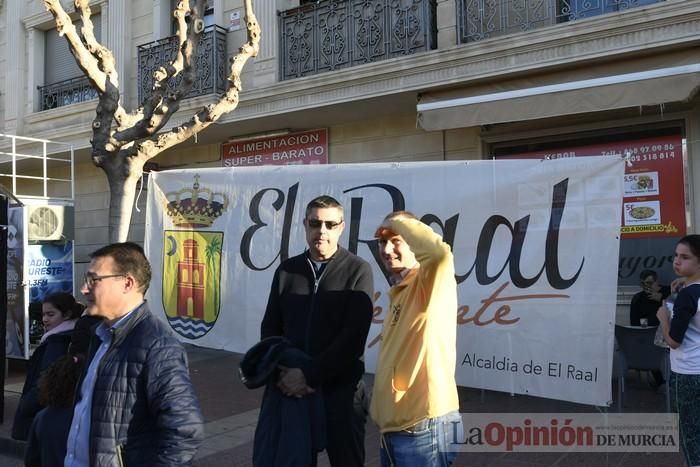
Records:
x=415, y=371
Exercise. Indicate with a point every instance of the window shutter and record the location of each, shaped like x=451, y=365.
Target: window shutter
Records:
x=59, y=64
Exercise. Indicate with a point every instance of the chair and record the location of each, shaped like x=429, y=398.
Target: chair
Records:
x=618, y=372
x=640, y=353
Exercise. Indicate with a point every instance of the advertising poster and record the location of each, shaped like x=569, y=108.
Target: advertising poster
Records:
x=654, y=194
x=653, y=205
x=535, y=248
x=17, y=335
x=303, y=148
x=49, y=269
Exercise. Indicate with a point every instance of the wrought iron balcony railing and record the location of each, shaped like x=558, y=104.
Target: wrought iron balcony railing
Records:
x=210, y=63
x=66, y=92
x=334, y=34
x=482, y=19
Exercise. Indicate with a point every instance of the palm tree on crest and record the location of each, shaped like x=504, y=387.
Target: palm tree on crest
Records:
x=213, y=253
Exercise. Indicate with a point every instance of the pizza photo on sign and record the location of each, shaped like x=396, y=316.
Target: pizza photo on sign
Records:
x=642, y=213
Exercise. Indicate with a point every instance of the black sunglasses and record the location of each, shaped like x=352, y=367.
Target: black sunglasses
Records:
x=330, y=225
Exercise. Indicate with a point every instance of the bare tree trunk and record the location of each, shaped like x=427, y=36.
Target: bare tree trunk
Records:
x=122, y=187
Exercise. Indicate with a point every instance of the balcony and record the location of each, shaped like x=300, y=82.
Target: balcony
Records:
x=210, y=63
x=483, y=19
x=334, y=34
x=66, y=92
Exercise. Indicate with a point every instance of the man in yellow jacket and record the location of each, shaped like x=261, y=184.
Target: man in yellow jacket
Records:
x=415, y=399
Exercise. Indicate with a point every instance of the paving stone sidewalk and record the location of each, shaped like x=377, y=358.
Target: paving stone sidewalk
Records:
x=231, y=410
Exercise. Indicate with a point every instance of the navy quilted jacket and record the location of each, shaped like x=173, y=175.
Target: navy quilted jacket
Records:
x=144, y=408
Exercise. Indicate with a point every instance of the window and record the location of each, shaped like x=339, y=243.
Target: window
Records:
x=576, y=9
x=64, y=81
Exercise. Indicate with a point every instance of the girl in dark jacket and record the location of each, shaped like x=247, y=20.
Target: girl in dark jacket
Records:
x=59, y=314
x=46, y=445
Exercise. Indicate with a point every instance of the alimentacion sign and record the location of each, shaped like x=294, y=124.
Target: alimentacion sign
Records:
x=306, y=147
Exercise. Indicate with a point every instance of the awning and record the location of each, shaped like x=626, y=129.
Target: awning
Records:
x=441, y=111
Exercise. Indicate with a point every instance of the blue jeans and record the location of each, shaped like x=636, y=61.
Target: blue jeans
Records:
x=427, y=445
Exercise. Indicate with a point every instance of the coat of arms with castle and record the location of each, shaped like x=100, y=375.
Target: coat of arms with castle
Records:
x=192, y=259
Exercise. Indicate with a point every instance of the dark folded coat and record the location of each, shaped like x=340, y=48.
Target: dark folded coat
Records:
x=290, y=430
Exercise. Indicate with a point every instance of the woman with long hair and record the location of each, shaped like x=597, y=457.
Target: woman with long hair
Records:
x=48, y=435
x=59, y=313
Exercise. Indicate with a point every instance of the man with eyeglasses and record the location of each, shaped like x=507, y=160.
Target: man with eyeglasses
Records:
x=321, y=301
x=135, y=402
x=646, y=302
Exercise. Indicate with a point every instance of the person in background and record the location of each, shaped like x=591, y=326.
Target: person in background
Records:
x=645, y=302
x=643, y=308
x=681, y=331
x=60, y=312
x=415, y=401
x=46, y=444
x=82, y=334
x=321, y=301
x=135, y=403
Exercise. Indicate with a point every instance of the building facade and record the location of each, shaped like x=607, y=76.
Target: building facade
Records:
x=419, y=80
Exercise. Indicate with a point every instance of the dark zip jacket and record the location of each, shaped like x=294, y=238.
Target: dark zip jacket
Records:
x=328, y=317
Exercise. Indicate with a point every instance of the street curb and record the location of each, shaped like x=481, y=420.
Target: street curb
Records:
x=12, y=447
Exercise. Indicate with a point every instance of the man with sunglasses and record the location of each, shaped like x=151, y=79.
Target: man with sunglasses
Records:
x=135, y=404
x=321, y=301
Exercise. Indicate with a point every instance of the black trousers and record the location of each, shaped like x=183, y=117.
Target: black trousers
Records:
x=346, y=414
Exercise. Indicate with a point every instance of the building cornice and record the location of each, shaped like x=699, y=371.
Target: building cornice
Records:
x=670, y=25
x=665, y=27
x=44, y=19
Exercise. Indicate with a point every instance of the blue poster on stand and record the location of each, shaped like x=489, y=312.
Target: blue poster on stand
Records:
x=49, y=269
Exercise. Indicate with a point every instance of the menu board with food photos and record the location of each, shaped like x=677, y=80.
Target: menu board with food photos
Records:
x=654, y=193
x=653, y=205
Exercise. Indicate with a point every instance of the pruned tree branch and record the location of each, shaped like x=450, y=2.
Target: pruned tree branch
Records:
x=110, y=109
x=123, y=142
x=161, y=105
x=97, y=63
x=103, y=55
x=86, y=61
x=211, y=113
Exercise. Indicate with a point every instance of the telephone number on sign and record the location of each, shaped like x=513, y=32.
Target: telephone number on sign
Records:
x=653, y=157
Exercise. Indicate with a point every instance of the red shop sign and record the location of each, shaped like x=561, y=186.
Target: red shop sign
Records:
x=306, y=147
x=654, y=195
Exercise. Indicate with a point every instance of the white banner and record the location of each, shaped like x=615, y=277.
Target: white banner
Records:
x=535, y=244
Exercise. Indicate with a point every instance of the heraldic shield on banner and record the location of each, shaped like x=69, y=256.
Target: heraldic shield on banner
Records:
x=192, y=261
